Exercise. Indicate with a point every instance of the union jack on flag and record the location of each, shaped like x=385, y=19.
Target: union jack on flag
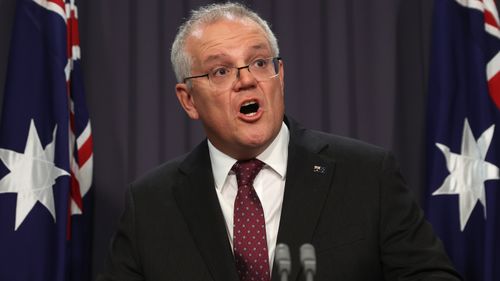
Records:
x=45, y=149
x=463, y=137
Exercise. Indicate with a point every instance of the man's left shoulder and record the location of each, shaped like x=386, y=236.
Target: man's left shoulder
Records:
x=339, y=147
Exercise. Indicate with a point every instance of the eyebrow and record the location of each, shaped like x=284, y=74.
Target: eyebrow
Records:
x=259, y=46
x=219, y=56
x=211, y=58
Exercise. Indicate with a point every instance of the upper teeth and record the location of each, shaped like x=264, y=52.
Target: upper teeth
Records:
x=248, y=103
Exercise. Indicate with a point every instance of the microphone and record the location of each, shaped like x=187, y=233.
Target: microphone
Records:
x=308, y=261
x=283, y=261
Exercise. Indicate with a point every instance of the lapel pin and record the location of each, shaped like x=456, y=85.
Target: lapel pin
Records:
x=319, y=169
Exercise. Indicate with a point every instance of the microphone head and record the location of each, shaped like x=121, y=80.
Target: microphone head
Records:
x=308, y=258
x=282, y=258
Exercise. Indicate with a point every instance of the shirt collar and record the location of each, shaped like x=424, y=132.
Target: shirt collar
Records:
x=274, y=156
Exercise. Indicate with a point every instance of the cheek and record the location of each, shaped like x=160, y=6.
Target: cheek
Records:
x=217, y=107
x=277, y=96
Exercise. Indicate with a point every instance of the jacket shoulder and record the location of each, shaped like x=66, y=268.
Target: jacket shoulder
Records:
x=161, y=177
x=339, y=147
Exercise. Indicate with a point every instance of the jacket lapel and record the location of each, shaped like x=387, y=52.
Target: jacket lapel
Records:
x=198, y=202
x=308, y=182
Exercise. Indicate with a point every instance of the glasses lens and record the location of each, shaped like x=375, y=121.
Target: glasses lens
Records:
x=262, y=69
x=222, y=77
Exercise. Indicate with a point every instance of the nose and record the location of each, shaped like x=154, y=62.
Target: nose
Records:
x=244, y=77
x=240, y=68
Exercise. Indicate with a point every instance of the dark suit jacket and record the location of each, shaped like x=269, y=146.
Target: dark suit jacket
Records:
x=357, y=212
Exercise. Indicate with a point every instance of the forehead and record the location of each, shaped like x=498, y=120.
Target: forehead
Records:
x=227, y=38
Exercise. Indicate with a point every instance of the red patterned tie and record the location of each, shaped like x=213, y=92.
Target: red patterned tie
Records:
x=249, y=233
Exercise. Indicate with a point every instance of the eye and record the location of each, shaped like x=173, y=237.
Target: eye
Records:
x=220, y=72
x=260, y=63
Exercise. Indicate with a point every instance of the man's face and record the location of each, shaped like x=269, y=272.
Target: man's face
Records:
x=233, y=43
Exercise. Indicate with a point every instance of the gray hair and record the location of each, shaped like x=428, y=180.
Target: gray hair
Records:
x=181, y=61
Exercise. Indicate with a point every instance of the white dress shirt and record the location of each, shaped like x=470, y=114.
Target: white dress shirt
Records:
x=269, y=184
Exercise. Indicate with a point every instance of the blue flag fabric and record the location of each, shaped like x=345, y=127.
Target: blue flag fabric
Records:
x=45, y=149
x=463, y=135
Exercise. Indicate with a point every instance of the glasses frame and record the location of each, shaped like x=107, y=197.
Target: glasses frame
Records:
x=237, y=71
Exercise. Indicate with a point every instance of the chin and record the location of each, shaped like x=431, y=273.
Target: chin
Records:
x=258, y=140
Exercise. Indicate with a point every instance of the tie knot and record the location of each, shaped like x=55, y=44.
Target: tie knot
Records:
x=247, y=170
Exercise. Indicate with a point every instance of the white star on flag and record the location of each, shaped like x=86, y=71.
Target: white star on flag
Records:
x=468, y=171
x=32, y=175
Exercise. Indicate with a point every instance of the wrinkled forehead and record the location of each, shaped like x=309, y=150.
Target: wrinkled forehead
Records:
x=197, y=31
x=228, y=33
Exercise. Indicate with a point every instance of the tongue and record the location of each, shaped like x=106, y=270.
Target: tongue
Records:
x=251, y=108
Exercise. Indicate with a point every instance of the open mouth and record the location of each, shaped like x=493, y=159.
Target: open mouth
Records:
x=249, y=108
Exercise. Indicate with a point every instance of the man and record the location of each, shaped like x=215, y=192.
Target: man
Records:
x=218, y=214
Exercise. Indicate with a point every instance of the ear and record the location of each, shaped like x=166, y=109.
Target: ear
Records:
x=282, y=75
x=186, y=100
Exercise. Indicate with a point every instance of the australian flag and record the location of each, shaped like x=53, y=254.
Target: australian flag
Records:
x=463, y=137
x=45, y=149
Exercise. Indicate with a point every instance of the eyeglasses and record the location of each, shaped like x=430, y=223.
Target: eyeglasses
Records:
x=223, y=77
